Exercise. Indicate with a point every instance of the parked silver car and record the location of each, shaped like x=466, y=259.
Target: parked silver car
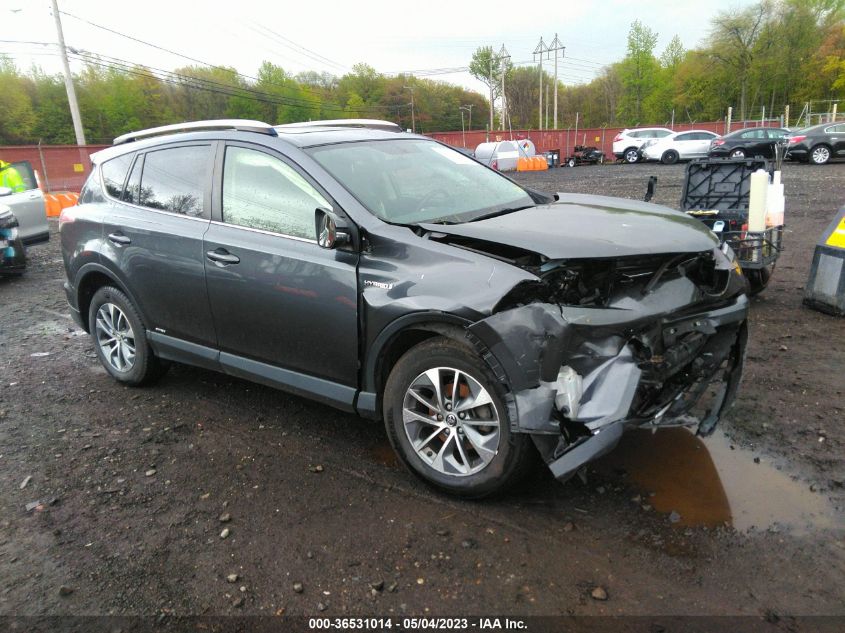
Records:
x=27, y=205
x=679, y=146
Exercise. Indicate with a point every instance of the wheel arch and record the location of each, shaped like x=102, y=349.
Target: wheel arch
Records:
x=89, y=279
x=400, y=336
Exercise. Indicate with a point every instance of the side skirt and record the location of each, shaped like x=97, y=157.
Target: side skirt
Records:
x=325, y=391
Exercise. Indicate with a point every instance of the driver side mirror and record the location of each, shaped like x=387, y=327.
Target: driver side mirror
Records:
x=332, y=230
x=6, y=191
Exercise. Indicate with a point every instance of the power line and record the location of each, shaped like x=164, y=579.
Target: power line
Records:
x=289, y=43
x=169, y=51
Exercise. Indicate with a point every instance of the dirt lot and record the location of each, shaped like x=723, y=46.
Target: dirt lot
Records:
x=136, y=487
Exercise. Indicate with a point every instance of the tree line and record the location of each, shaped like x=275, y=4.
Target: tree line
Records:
x=117, y=97
x=765, y=56
x=769, y=54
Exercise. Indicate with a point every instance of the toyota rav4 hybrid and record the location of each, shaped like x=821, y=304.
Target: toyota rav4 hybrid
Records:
x=388, y=275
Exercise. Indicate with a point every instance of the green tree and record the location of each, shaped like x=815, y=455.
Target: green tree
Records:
x=487, y=67
x=17, y=116
x=637, y=72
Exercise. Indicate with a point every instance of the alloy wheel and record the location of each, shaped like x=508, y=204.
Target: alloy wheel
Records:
x=115, y=337
x=821, y=155
x=632, y=156
x=451, y=421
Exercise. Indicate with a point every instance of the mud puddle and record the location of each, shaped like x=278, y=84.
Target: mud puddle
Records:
x=710, y=482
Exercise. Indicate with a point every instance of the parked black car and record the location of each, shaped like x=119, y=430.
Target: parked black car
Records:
x=817, y=144
x=12, y=251
x=386, y=274
x=749, y=142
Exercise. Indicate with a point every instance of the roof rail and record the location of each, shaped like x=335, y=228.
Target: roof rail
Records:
x=373, y=124
x=243, y=125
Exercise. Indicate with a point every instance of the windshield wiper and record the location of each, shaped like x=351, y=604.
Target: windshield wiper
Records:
x=494, y=214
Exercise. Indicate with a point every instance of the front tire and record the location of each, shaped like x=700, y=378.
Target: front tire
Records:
x=758, y=279
x=120, y=339
x=632, y=155
x=445, y=416
x=670, y=157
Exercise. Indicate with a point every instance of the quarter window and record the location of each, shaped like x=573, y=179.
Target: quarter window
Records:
x=114, y=174
x=262, y=192
x=174, y=180
x=132, y=192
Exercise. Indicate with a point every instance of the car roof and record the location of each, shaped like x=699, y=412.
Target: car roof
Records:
x=759, y=127
x=307, y=134
x=674, y=134
x=645, y=129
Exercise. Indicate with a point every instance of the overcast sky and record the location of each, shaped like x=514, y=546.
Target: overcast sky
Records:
x=329, y=35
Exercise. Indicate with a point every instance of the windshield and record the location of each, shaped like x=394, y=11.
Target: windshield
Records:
x=412, y=181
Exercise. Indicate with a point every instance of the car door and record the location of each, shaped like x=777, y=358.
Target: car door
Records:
x=152, y=237
x=837, y=139
x=685, y=144
x=701, y=144
x=285, y=310
x=28, y=206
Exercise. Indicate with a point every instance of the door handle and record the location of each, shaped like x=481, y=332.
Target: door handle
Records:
x=33, y=196
x=222, y=257
x=119, y=238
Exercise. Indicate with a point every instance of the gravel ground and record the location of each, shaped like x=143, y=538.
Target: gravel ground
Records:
x=207, y=495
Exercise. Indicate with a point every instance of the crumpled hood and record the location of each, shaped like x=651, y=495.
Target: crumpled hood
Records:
x=580, y=226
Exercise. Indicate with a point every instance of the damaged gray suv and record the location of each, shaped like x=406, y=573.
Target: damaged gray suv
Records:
x=388, y=275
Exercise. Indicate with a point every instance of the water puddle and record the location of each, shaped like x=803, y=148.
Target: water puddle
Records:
x=709, y=483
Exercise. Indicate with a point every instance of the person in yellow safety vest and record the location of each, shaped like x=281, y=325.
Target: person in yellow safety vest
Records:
x=9, y=177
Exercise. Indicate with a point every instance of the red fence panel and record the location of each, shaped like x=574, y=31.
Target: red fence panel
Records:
x=60, y=167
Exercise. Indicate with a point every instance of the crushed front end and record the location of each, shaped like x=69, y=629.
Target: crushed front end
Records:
x=597, y=346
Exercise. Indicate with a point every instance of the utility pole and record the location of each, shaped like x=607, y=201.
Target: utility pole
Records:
x=503, y=66
x=463, y=130
x=413, y=120
x=554, y=47
x=490, y=83
x=71, y=93
x=469, y=107
x=541, y=48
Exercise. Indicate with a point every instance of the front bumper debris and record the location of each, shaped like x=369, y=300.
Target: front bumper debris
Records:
x=579, y=376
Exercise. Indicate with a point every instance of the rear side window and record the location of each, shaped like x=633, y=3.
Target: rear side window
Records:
x=661, y=133
x=685, y=137
x=114, y=174
x=175, y=179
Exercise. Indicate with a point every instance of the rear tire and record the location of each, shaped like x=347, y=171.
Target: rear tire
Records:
x=820, y=154
x=571, y=162
x=738, y=153
x=669, y=157
x=464, y=457
x=120, y=339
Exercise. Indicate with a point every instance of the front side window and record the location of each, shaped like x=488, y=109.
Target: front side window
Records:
x=263, y=192
x=410, y=181
x=114, y=174
x=174, y=179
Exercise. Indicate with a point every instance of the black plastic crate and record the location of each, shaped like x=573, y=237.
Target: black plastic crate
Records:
x=719, y=188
